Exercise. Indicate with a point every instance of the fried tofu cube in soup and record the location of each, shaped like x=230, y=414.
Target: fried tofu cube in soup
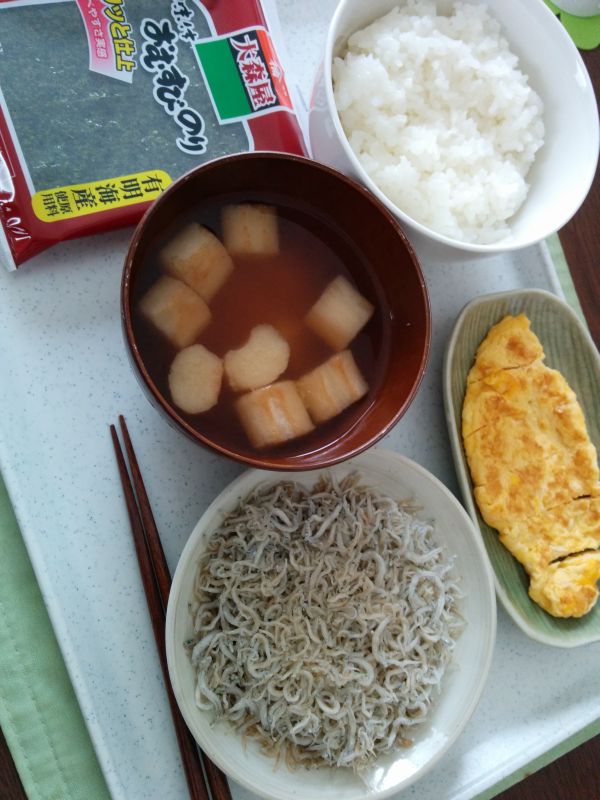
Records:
x=250, y=229
x=339, y=313
x=199, y=259
x=195, y=379
x=175, y=310
x=273, y=414
x=261, y=360
x=332, y=387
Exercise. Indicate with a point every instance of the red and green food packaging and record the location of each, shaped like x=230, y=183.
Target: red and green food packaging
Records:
x=103, y=103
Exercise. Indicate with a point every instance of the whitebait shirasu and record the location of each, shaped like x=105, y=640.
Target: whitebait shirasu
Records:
x=324, y=620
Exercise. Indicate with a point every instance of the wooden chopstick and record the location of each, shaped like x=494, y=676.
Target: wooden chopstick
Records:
x=155, y=548
x=156, y=580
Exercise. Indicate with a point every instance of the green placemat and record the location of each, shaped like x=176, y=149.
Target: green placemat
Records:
x=39, y=713
x=564, y=276
x=542, y=761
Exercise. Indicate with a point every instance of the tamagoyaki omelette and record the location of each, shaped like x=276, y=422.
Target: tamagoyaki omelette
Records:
x=534, y=469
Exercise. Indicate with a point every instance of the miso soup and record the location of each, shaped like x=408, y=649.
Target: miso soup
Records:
x=283, y=299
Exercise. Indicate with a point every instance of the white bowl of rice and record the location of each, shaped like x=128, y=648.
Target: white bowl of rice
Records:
x=474, y=122
x=329, y=635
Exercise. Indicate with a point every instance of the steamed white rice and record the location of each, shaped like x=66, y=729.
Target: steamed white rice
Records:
x=441, y=117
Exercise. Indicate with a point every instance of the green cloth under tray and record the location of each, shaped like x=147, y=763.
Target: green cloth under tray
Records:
x=39, y=714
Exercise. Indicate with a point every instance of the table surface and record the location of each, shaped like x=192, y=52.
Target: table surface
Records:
x=575, y=775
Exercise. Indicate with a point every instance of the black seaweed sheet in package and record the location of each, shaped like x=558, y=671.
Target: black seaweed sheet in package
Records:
x=104, y=102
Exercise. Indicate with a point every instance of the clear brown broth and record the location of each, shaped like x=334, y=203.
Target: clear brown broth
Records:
x=278, y=290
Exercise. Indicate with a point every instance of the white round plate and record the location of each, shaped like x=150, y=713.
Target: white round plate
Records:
x=462, y=685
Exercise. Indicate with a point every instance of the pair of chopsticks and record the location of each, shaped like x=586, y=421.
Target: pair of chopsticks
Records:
x=157, y=583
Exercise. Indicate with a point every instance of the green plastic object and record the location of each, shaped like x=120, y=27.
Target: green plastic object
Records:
x=585, y=31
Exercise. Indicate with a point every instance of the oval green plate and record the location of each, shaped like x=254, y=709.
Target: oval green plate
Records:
x=568, y=348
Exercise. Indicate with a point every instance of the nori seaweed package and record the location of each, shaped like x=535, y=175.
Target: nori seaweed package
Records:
x=103, y=103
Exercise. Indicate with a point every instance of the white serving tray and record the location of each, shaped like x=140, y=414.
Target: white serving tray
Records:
x=64, y=376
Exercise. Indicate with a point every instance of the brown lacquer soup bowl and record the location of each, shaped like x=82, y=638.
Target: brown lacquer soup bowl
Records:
x=275, y=312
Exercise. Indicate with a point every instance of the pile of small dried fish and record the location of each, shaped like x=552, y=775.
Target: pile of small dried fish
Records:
x=324, y=620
